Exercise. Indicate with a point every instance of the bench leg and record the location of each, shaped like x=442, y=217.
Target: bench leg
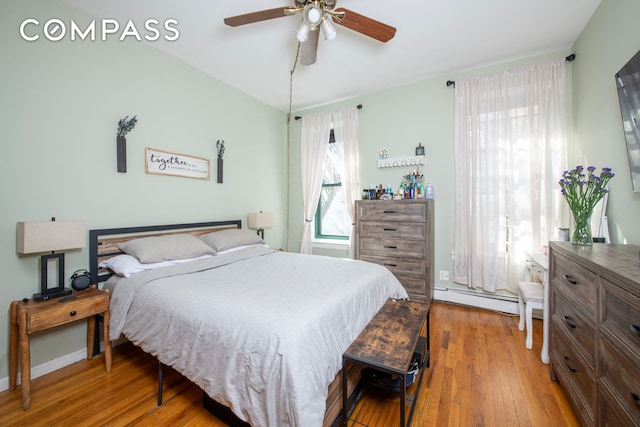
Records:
x=160, y=381
x=403, y=396
x=345, y=398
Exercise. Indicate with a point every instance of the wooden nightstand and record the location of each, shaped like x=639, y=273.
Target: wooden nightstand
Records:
x=31, y=316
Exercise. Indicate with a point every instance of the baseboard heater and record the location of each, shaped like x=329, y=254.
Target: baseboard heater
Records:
x=502, y=303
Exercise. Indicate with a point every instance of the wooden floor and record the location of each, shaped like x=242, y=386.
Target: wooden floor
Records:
x=481, y=374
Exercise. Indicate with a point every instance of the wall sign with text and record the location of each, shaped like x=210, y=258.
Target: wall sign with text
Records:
x=167, y=163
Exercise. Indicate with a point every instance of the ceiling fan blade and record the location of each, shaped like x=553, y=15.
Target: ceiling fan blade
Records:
x=249, y=18
x=310, y=48
x=364, y=25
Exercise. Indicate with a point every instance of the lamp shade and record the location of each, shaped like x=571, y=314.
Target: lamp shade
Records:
x=47, y=236
x=260, y=220
x=328, y=29
x=303, y=32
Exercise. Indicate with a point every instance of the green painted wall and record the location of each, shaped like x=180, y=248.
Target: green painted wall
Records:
x=61, y=103
x=610, y=39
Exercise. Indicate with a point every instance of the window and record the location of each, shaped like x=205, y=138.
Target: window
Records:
x=332, y=217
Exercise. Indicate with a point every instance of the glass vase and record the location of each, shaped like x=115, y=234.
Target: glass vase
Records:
x=581, y=230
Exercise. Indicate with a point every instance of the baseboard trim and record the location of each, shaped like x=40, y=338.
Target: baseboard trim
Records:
x=58, y=363
x=48, y=367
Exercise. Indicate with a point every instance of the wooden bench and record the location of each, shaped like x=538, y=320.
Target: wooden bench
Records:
x=388, y=344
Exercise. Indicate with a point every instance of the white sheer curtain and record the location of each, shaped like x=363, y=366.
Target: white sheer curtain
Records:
x=346, y=129
x=510, y=151
x=314, y=140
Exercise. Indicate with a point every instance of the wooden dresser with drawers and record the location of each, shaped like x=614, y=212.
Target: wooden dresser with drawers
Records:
x=399, y=235
x=595, y=330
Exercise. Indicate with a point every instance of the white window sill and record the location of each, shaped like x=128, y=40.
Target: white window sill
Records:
x=329, y=244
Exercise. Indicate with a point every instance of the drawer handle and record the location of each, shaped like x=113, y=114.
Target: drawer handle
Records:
x=636, y=398
x=390, y=265
x=566, y=359
x=635, y=329
x=72, y=313
x=390, y=229
x=390, y=247
x=568, y=321
x=570, y=279
x=389, y=211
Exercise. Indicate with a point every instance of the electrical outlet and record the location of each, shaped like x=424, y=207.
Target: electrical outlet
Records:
x=444, y=275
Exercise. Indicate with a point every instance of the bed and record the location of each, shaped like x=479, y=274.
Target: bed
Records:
x=261, y=331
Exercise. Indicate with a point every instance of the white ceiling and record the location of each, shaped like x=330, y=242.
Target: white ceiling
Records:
x=433, y=38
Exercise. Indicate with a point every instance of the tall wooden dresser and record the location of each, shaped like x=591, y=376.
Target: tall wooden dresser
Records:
x=399, y=235
x=595, y=330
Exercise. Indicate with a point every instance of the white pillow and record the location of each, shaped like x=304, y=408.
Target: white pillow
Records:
x=126, y=265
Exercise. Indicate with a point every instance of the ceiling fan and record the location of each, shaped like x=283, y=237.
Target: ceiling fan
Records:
x=316, y=15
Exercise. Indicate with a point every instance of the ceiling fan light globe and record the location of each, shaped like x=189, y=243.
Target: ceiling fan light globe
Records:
x=303, y=32
x=312, y=15
x=328, y=29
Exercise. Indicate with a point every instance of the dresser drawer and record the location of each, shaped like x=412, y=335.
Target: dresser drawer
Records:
x=575, y=376
x=392, y=247
x=610, y=412
x=620, y=375
x=621, y=315
x=397, y=230
x=416, y=287
x=410, y=266
x=565, y=316
x=392, y=211
x=577, y=282
x=42, y=319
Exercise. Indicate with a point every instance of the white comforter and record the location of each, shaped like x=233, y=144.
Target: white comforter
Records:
x=258, y=330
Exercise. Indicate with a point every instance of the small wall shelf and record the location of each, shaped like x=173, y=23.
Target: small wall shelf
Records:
x=394, y=162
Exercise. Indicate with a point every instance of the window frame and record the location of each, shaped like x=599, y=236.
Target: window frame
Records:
x=318, y=222
x=317, y=218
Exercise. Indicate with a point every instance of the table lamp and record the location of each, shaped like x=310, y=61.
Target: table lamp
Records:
x=49, y=236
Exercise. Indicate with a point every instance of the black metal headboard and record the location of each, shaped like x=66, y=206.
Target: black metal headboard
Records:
x=99, y=250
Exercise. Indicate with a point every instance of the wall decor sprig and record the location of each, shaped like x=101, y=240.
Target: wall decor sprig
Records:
x=125, y=125
x=220, y=147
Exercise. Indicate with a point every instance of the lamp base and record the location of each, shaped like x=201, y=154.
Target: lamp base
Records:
x=56, y=293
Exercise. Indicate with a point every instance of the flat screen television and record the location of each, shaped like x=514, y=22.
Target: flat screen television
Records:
x=628, y=82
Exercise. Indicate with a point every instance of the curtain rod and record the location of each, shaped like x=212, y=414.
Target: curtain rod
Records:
x=567, y=58
x=359, y=107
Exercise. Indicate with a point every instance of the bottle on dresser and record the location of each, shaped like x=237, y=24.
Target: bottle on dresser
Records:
x=429, y=192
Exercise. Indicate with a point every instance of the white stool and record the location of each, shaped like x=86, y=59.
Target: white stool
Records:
x=531, y=294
